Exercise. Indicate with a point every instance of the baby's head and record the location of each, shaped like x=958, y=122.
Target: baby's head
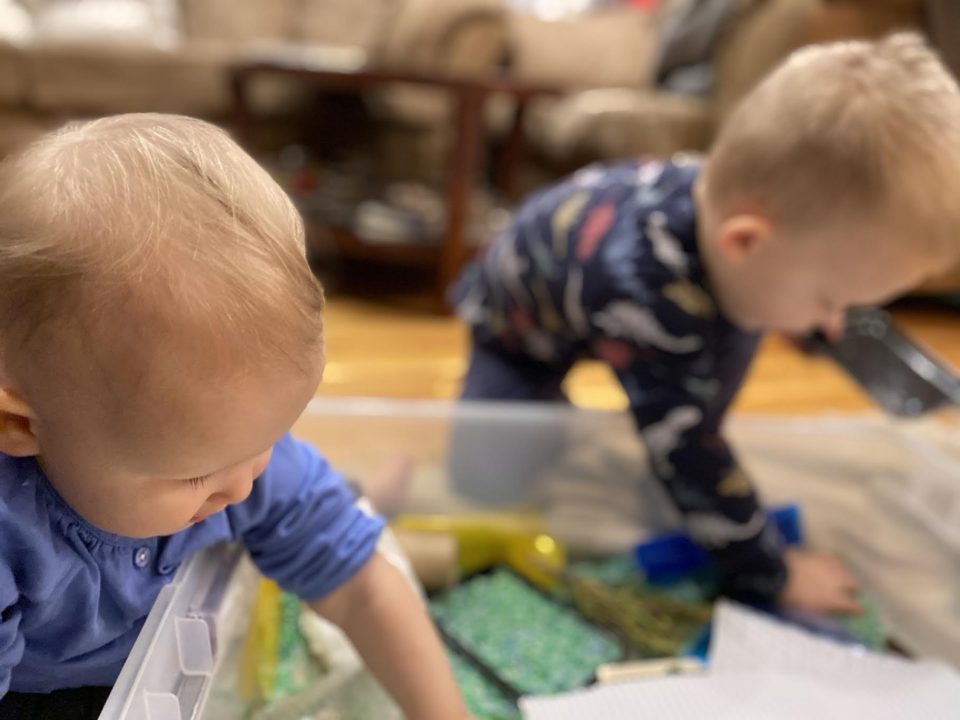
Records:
x=834, y=184
x=159, y=326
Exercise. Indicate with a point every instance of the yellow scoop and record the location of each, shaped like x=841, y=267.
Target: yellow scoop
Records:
x=487, y=539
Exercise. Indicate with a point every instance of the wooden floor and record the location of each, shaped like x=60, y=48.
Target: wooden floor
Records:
x=376, y=350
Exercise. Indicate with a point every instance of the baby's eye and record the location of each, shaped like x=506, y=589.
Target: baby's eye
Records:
x=197, y=481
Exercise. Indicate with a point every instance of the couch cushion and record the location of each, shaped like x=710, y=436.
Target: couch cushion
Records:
x=237, y=21
x=612, y=48
x=104, y=79
x=363, y=23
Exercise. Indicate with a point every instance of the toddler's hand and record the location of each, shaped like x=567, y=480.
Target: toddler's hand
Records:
x=819, y=583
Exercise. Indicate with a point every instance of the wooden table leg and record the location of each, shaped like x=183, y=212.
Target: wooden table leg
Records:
x=241, y=119
x=464, y=155
x=513, y=152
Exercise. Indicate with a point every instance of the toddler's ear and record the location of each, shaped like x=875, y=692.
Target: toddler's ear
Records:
x=740, y=235
x=16, y=425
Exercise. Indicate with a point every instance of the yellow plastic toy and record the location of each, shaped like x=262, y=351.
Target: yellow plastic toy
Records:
x=487, y=539
x=259, y=669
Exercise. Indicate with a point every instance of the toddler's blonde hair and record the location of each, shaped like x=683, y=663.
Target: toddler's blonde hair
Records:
x=848, y=131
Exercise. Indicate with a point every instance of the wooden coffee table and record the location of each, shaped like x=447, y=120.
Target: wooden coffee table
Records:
x=340, y=70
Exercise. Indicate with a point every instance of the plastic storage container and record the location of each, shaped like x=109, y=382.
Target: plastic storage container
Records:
x=883, y=495
x=196, y=618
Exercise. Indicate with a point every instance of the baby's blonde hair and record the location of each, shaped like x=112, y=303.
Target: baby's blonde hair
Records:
x=848, y=131
x=156, y=225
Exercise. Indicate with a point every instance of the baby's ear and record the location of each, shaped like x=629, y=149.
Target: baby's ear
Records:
x=741, y=235
x=17, y=437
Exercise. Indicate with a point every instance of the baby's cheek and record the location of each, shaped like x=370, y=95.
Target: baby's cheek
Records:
x=261, y=464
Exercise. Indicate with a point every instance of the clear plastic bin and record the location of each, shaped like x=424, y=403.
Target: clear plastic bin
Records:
x=883, y=495
x=169, y=672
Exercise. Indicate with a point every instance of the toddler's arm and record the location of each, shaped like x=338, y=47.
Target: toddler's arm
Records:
x=679, y=401
x=720, y=506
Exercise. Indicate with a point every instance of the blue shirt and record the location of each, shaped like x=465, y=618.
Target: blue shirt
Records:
x=73, y=598
x=606, y=264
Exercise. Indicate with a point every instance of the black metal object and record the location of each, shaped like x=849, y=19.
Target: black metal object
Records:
x=903, y=378
x=509, y=691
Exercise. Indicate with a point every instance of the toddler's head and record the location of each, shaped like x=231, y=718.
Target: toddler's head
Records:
x=159, y=326
x=834, y=184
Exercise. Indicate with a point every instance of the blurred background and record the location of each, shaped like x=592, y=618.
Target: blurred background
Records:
x=406, y=130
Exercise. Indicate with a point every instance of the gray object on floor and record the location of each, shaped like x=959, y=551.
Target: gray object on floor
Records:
x=903, y=378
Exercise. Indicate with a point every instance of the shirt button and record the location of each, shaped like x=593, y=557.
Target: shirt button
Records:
x=141, y=558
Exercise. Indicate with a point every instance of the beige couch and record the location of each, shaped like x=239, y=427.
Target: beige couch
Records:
x=45, y=79
x=609, y=57
x=619, y=112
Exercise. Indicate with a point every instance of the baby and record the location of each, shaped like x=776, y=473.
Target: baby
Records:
x=160, y=331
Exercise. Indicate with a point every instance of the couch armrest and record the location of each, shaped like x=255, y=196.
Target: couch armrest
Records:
x=462, y=38
x=760, y=35
x=616, y=123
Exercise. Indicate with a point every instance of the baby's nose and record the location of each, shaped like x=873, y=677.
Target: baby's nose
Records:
x=234, y=490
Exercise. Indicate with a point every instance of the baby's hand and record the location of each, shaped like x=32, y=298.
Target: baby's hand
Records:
x=819, y=583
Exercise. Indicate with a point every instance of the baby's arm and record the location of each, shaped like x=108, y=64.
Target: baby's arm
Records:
x=11, y=639
x=389, y=626
x=15, y=536
x=303, y=529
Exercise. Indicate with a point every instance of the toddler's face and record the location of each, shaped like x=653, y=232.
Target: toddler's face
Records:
x=182, y=453
x=797, y=285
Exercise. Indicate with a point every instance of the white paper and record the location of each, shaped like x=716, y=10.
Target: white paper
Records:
x=761, y=669
x=745, y=641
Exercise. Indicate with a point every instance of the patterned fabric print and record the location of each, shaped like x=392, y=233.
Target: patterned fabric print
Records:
x=606, y=264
